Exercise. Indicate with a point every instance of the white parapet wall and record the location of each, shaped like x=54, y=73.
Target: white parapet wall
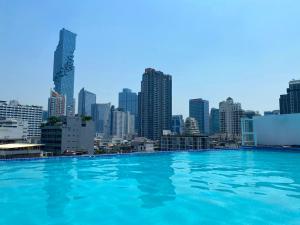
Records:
x=277, y=130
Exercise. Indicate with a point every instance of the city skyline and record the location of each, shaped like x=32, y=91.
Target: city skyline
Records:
x=223, y=65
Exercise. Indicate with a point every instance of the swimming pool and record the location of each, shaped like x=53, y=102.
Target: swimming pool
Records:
x=210, y=187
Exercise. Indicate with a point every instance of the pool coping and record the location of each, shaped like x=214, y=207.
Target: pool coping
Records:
x=269, y=149
x=106, y=155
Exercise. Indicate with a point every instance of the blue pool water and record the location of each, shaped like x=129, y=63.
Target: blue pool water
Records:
x=211, y=187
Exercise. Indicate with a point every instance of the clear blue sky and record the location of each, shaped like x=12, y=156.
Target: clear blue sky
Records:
x=246, y=49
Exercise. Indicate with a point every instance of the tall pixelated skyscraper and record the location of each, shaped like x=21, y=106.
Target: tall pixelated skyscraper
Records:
x=63, y=68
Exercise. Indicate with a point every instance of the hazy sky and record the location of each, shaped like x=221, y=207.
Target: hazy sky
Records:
x=246, y=49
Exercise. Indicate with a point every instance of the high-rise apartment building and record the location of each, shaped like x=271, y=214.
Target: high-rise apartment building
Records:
x=214, y=121
x=128, y=101
x=156, y=104
x=122, y=124
x=139, y=115
x=63, y=68
x=199, y=109
x=29, y=113
x=177, y=124
x=101, y=117
x=85, y=101
x=290, y=102
x=230, y=117
x=56, y=104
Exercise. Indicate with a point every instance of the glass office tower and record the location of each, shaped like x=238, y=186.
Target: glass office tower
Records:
x=214, y=121
x=199, y=109
x=85, y=101
x=128, y=101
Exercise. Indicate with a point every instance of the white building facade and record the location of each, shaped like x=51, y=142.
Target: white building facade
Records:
x=273, y=130
x=123, y=124
x=230, y=117
x=13, y=130
x=31, y=114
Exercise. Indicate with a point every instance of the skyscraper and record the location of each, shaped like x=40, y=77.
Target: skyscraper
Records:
x=155, y=104
x=128, y=101
x=177, y=124
x=214, y=121
x=290, y=102
x=85, y=101
x=101, y=117
x=199, y=109
x=230, y=117
x=139, y=115
x=56, y=104
x=122, y=124
x=63, y=68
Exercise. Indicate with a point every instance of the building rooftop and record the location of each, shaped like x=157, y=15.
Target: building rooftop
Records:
x=18, y=146
x=15, y=103
x=294, y=82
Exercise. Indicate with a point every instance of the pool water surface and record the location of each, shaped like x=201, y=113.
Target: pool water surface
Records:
x=209, y=187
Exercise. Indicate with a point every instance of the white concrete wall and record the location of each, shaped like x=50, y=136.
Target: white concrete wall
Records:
x=277, y=129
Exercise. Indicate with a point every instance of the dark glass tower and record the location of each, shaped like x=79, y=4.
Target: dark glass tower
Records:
x=128, y=101
x=214, y=121
x=199, y=109
x=290, y=102
x=63, y=68
x=101, y=117
x=155, y=104
x=85, y=101
x=177, y=124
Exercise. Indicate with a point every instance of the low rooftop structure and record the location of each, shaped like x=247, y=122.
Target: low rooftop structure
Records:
x=20, y=150
x=191, y=139
x=184, y=142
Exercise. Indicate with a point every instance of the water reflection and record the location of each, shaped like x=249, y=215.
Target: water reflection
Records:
x=100, y=169
x=58, y=183
x=244, y=173
x=153, y=177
